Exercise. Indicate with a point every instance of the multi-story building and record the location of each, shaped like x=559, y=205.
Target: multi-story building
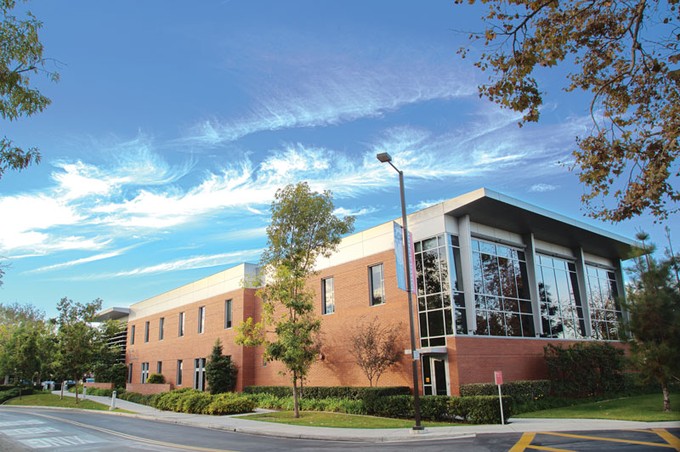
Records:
x=496, y=281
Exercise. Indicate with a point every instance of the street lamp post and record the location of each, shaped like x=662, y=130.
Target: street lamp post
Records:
x=384, y=157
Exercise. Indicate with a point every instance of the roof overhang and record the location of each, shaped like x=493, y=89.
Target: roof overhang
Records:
x=112, y=314
x=500, y=211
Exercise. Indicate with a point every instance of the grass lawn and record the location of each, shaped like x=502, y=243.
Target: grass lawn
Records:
x=641, y=408
x=54, y=401
x=337, y=420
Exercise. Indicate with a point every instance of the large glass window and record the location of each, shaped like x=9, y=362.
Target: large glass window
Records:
x=377, y=284
x=605, y=311
x=327, y=296
x=502, y=299
x=560, y=301
x=434, y=294
x=227, y=314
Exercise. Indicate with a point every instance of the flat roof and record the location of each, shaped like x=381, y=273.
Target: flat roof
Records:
x=504, y=212
x=111, y=314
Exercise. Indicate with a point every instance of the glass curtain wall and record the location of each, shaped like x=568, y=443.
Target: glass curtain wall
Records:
x=501, y=290
x=560, y=301
x=605, y=311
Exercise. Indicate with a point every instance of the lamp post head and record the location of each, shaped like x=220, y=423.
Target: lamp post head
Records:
x=384, y=157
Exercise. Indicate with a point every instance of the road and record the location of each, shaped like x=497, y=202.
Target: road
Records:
x=75, y=430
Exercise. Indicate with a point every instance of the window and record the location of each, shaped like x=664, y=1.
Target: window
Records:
x=605, y=312
x=377, y=283
x=145, y=372
x=199, y=374
x=180, y=368
x=161, y=328
x=180, y=331
x=327, y=296
x=435, y=313
x=159, y=367
x=132, y=335
x=201, y=319
x=146, y=331
x=227, y=314
x=501, y=290
x=129, y=377
x=560, y=301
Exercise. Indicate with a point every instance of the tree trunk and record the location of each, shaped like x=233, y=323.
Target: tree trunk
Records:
x=666, y=397
x=296, y=406
x=76, y=392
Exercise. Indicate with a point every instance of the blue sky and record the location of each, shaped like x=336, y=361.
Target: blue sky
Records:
x=174, y=123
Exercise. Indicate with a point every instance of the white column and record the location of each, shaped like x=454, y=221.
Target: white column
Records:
x=465, y=242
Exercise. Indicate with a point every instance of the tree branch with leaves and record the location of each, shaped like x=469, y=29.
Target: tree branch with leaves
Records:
x=626, y=55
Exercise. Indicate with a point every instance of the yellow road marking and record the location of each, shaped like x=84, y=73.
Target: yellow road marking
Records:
x=550, y=449
x=523, y=442
x=668, y=437
x=131, y=437
x=613, y=440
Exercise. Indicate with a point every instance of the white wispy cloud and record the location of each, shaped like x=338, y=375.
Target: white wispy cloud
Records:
x=84, y=260
x=543, y=188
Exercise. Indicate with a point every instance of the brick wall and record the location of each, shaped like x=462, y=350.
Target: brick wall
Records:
x=148, y=388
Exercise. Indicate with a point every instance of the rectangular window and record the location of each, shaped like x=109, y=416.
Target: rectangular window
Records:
x=605, y=311
x=159, y=367
x=129, y=378
x=377, y=284
x=227, y=314
x=327, y=296
x=199, y=374
x=145, y=372
x=132, y=335
x=560, y=301
x=180, y=369
x=161, y=328
x=180, y=330
x=146, y=331
x=201, y=319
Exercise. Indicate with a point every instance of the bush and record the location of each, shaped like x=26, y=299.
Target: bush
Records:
x=136, y=397
x=99, y=392
x=479, y=409
x=195, y=402
x=525, y=394
x=230, y=403
x=585, y=369
x=435, y=408
x=324, y=392
x=156, y=379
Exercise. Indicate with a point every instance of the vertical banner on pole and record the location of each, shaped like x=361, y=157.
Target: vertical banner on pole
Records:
x=399, y=255
x=498, y=379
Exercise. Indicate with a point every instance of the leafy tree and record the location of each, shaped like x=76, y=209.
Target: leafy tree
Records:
x=109, y=365
x=302, y=229
x=220, y=371
x=625, y=55
x=375, y=347
x=21, y=55
x=78, y=342
x=653, y=303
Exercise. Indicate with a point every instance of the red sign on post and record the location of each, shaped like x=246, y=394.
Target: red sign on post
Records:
x=498, y=377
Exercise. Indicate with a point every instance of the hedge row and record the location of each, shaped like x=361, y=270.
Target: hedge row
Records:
x=325, y=392
x=473, y=409
x=13, y=392
x=521, y=391
x=198, y=402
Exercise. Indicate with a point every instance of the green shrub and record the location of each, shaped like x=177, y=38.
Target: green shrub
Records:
x=324, y=392
x=585, y=369
x=99, y=392
x=156, y=379
x=269, y=401
x=435, y=408
x=230, y=403
x=479, y=409
x=525, y=394
x=397, y=406
x=135, y=397
x=195, y=402
x=9, y=394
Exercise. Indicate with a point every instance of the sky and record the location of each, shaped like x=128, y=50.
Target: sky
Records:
x=174, y=123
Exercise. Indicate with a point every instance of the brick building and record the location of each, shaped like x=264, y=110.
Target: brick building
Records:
x=497, y=279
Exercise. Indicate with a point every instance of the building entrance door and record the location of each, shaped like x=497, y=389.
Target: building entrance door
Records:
x=435, y=380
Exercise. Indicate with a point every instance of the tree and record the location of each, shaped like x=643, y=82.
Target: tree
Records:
x=375, y=347
x=653, y=303
x=109, y=364
x=303, y=228
x=21, y=55
x=626, y=55
x=220, y=371
x=77, y=340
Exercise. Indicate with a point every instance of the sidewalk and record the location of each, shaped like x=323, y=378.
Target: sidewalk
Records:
x=243, y=425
